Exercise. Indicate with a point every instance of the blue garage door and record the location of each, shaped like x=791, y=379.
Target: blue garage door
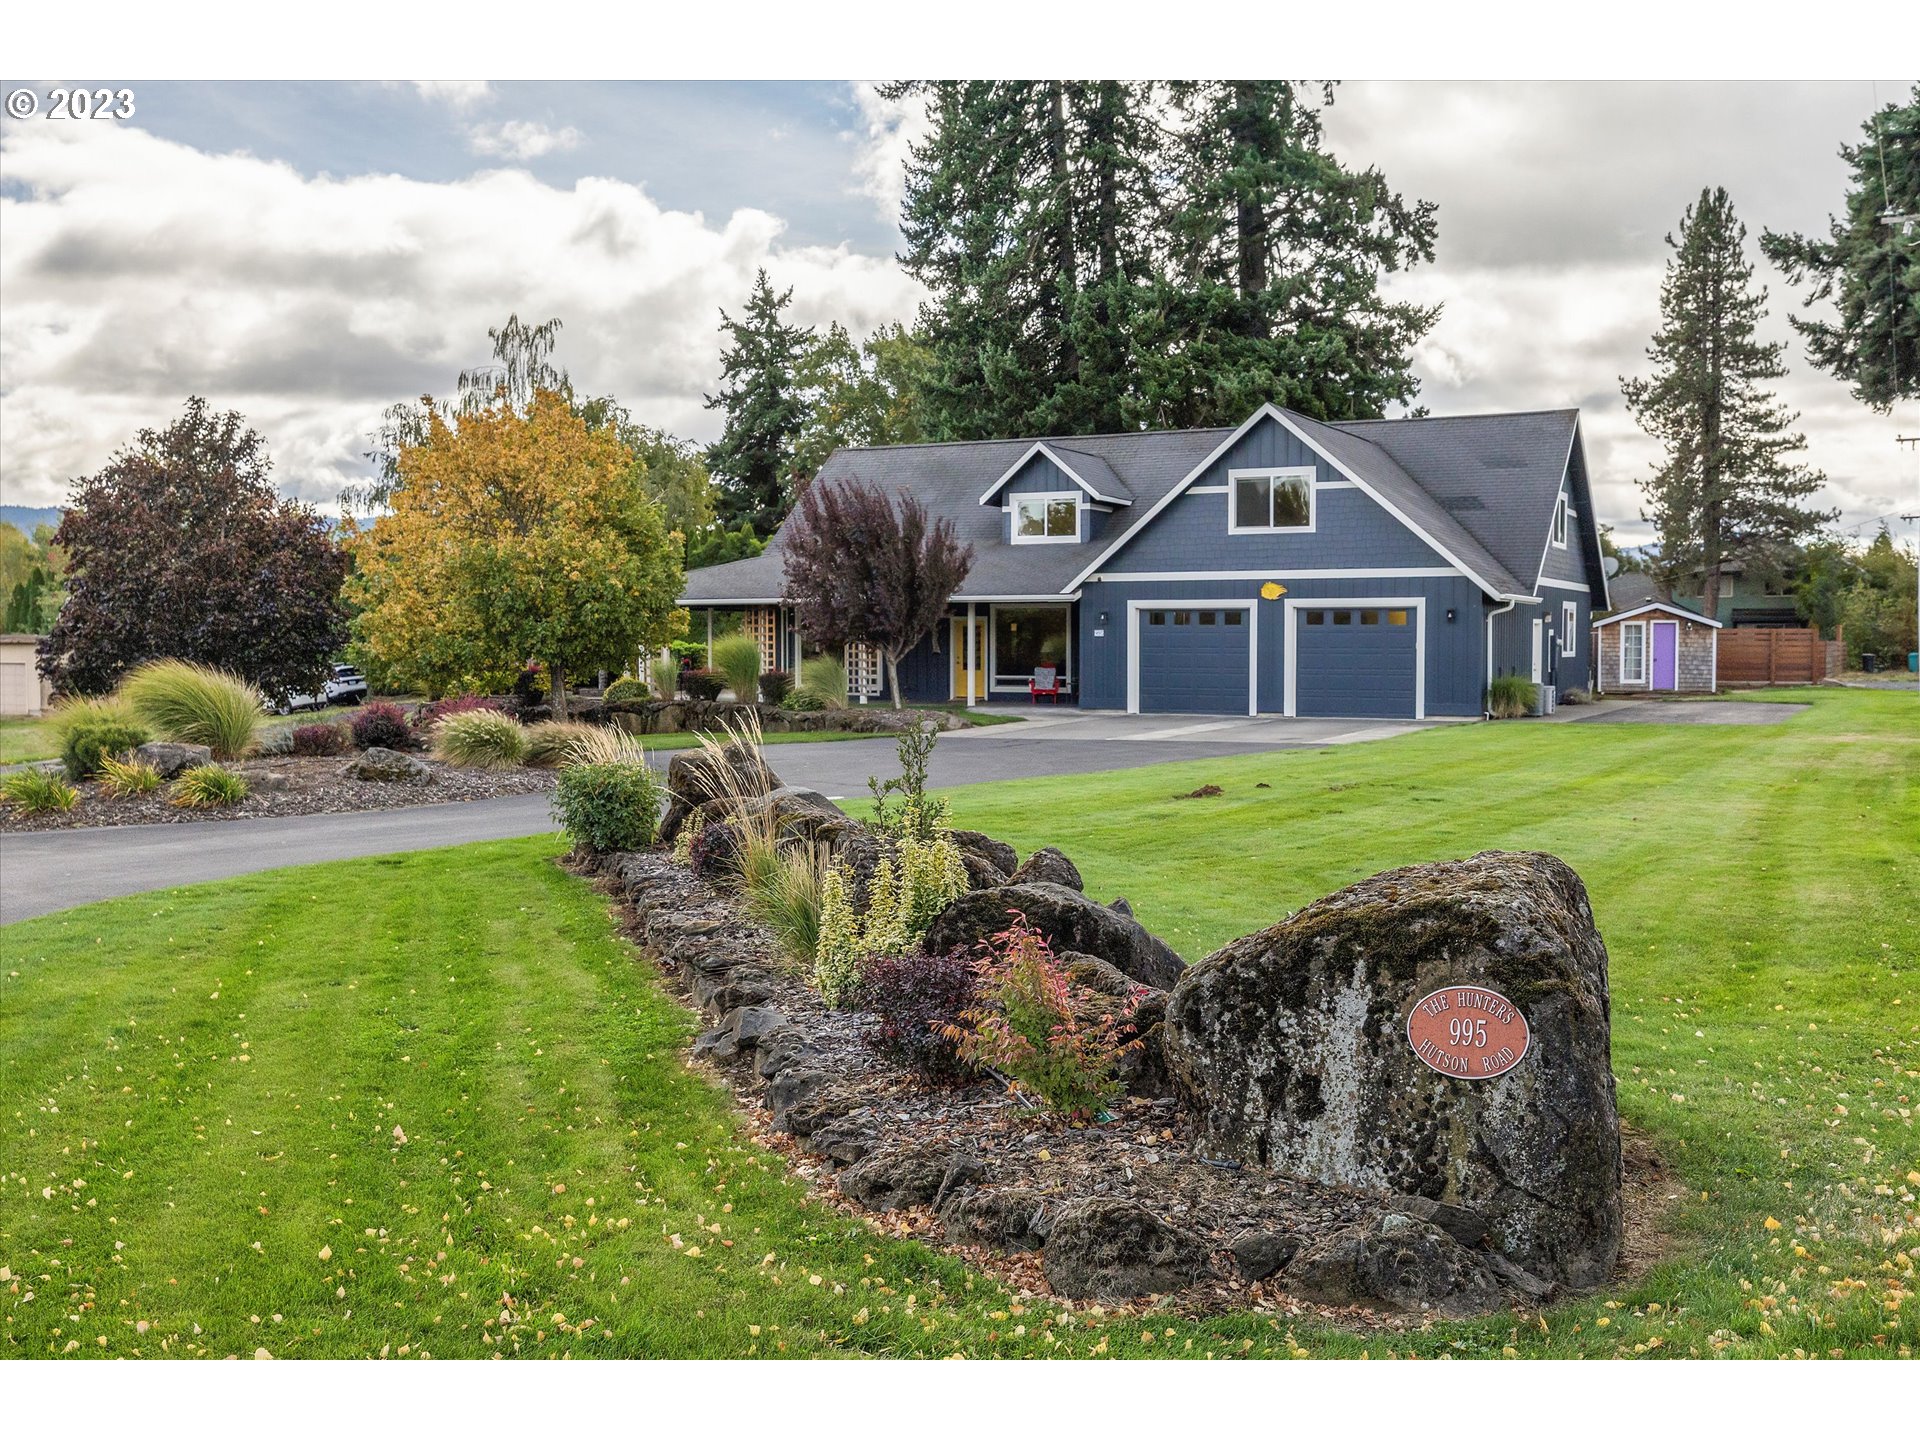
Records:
x=1355, y=661
x=1194, y=661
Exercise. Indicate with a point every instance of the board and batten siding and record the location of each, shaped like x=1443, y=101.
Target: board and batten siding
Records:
x=1351, y=530
x=1040, y=476
x=1190, y=537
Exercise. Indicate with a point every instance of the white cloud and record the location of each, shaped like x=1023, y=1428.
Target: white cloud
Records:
x=138, y=271
x=1553, y=201
x=460, y=94
x=521, y=139
x=880, y=163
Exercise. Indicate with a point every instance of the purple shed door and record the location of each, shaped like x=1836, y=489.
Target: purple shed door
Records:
x=1666, y=645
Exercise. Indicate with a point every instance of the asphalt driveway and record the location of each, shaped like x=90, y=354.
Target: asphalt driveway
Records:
x=51, y=870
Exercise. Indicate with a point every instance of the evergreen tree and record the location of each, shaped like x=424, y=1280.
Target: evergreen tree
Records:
x=1727, y=489
x=761, y=397
x=1029, y=216
x=1868, y=266
x=1277, y=254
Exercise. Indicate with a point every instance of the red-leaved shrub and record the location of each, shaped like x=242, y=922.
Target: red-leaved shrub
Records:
x=1024, y=1025
x=320, y=740
x=381, y=725
x=919, y=1001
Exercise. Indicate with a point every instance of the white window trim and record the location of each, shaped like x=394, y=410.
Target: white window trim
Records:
x=1415, y=603
x=1046, y=497
x=1135, y=608
x=1562, y=522
x=1015, y=682
x=1641, y=678
x=1273, y=472
x=1569, y=629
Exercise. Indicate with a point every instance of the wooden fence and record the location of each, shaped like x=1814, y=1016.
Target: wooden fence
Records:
x=1777, y=657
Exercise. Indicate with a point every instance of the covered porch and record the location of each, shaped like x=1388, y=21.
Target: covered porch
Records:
x=987, y=651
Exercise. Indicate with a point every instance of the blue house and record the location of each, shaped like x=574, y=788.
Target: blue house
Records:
x=1385, y=568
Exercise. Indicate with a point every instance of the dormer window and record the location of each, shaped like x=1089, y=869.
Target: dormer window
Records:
x=1266, y=501
x=1560, y=522
x=1052, y=519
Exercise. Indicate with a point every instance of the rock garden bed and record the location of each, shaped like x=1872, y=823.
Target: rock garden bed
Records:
x=292, y=785
x=1154, y=1202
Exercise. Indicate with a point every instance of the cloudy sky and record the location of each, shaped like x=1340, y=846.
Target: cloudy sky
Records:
x=309, y=253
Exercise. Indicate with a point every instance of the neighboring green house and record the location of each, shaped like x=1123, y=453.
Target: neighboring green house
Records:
x=1747, y=602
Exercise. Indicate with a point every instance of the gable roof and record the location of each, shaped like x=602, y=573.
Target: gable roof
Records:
x=1479, y=489
x=1088, y=471
x=1672, y=609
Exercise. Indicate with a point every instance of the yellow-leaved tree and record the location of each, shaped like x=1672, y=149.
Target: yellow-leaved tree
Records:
x=515, y=536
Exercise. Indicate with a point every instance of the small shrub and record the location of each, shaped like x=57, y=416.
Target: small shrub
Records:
x=381, y=725
x=824, y=678
x=428, y=717
x=775, y=686
x=783, y=892
x=82, y=710
x=910, y=887
x=919, y=1000
x=206, y=787
x=550, y=743
x=803, y=700
x=1575, y=696
x=125, y=778
x=737, y=660
x=916, y=817
x=608, y=807
x=1511, y=696
x=666, y=677
x=714, y=853
x=702, y=684
x=320, y=740
x=86, y=742
x=1023, y=1024
x=626, y=688
x=195, y=705
x=38, y=792
x=487, y=739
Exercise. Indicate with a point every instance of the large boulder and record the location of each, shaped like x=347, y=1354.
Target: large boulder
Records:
x=1068, y=920
x=1290, y=1048
x=697, y=776
x=797, y=813
x=1396, y=1260
x=1050, y=866
x=996, y=853
x=1113, y=1249
x=388, y=767
x=169, y=758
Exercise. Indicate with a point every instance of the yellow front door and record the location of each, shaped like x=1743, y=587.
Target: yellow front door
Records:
x=957, y=641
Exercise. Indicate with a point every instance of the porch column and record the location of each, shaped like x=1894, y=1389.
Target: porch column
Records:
x=707, y=664
x=972, y=656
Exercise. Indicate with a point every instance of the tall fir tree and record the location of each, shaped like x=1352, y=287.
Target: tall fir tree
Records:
x=760, y=395
x=1029, y=216
x=1278, y=251
x=1868, y=266
x=1728, y=489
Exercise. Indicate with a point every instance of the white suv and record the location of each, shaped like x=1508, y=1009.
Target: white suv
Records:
x=345, y=686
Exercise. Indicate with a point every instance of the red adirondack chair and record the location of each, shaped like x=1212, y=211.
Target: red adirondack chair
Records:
x=1046, y=681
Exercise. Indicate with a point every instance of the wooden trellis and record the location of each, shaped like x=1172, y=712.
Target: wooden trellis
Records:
x=865, y=674
x=763, y=627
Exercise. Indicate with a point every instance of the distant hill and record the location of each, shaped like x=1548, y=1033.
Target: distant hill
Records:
x=25, y=517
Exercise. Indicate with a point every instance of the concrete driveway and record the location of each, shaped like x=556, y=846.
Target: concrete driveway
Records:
x=52, y=870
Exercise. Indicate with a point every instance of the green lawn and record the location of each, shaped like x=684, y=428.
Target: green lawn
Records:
x=24, y=737
x=202, y=1088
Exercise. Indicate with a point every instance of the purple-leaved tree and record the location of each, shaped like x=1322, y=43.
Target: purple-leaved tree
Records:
x=865, y=567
